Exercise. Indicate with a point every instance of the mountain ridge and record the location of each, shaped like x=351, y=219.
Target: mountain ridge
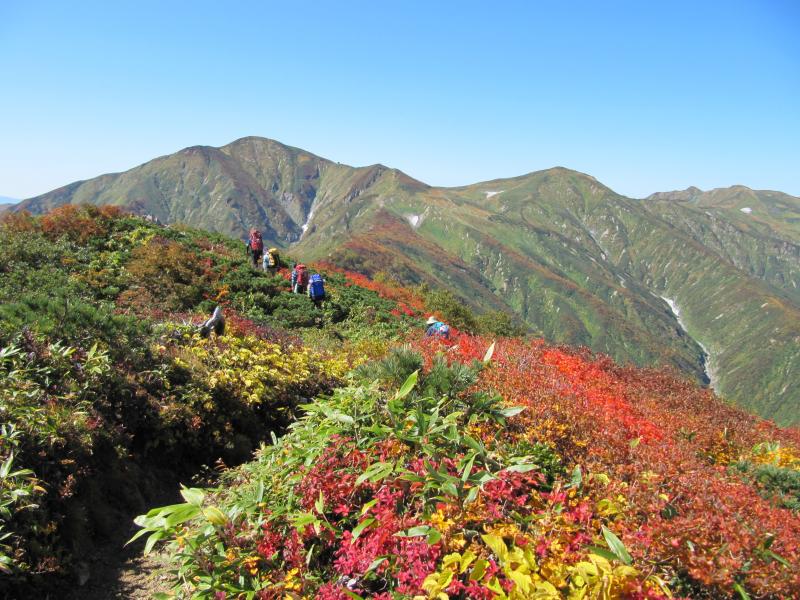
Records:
x=577, y=261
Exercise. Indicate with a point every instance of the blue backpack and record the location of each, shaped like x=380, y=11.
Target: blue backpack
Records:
x=316, y=287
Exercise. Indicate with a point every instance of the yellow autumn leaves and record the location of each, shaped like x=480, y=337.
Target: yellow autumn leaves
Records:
x=256, y=370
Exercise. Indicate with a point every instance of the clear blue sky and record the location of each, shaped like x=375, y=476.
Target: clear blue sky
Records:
x=645, y=96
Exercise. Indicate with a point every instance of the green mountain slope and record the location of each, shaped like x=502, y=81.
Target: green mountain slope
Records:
x=704, y=281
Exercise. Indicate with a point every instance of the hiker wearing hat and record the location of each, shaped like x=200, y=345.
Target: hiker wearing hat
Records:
x=437, y=328
x=271, y=261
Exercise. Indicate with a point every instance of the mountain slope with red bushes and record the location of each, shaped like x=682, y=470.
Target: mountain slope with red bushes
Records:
x=528, y=471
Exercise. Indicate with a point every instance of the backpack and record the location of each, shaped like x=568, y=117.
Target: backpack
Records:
x=272, y=257
x=440, y=329
x=302, y=275
x=256, y=243
x=316, y=289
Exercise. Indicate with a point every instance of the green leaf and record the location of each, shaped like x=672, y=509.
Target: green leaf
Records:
x=474, y=444
x=417, y=531
x=778, y=557
x=433, y=536
x=465, y=473
x=741, y=591
x=375, y=472
x=577, y=478
x=409, y=384
x=181, y=515
x=319, y=504
x=479, y=570
x=5, y=468
x=497, y=545
x=151, y=541
x=336, y=415
x=450, y=488
x=521, y=468
x=375, y=563
x=488, y=356
x=616, y=546
x=607, y=554
x=358, y=529
x=215, y=516
x=368, y=505
x=193, y=496
x=303, y=519
x=512, y=411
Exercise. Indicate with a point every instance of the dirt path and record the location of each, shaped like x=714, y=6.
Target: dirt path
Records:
x=118, y=572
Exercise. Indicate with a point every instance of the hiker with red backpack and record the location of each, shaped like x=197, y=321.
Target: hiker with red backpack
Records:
x=316, y=289
x=255, y=247
x=300, y=279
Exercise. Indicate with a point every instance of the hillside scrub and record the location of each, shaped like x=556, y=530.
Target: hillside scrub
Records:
x=582, y=480
x=471, y=468
x=106, y=386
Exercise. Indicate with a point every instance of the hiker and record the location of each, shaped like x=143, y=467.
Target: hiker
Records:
x=300, y=279
x=255, y=247
x=437, y=328
x=216, y=324
x=271, y=261
x=316, y=289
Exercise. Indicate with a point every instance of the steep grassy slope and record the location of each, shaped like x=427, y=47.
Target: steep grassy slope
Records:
x=576, y=261
x=749, y=328
x=649, y=282
x=250, y=182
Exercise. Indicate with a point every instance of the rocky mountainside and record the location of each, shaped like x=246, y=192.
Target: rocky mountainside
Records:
x=704, y=281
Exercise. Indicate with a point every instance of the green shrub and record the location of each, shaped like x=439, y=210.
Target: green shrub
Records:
x=499, y=323
x=451, y=310
x=392, y=370
x=167, y=274
x=773, y=481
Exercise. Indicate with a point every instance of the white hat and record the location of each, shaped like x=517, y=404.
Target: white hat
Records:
x=432, y=320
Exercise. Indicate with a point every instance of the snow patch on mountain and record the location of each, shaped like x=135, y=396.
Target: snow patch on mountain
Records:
x=413, y=220
x=490, y=194
x=305, y=225
x=707, y=367
x=746, y=210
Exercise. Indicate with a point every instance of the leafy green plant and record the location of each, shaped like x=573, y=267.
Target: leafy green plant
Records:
x=18, y=488
x=774, y=481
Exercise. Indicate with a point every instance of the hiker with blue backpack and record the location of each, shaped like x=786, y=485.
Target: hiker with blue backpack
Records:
x=316, y=289
x=437, y=328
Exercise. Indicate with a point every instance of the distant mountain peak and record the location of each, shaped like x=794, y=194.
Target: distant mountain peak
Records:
x=690, y=194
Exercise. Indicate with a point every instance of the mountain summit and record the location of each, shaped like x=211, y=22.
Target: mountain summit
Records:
x=705, y=281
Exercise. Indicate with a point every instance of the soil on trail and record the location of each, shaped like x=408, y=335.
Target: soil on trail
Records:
x=116, y=573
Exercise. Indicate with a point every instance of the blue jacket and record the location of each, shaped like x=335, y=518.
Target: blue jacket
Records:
x=438, y=328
